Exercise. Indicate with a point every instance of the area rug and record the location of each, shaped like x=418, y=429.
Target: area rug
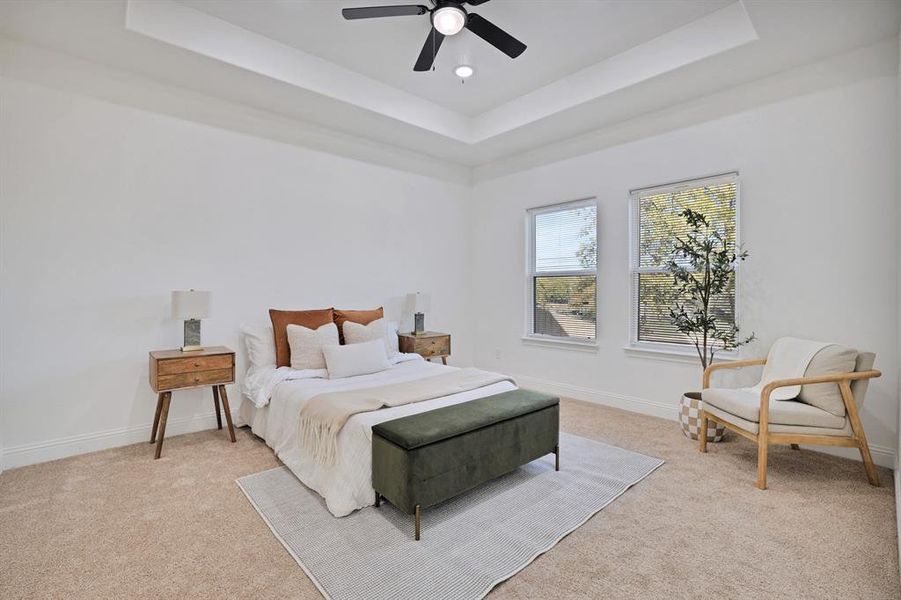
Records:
x=469, y=544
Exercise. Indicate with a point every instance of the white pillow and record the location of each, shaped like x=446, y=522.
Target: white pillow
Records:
x=355, y=359
x=392, y=342
x=260, y=344
x=307, y=345
x=380, y=329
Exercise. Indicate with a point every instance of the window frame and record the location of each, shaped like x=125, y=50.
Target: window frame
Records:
x=529, y=327
x=635, y=195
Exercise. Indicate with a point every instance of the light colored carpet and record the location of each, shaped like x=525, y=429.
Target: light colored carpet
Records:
x=119, y=524
x=468, y=544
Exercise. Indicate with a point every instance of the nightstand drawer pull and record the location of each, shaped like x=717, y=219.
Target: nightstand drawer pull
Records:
x=189, y=365
x=181, y=380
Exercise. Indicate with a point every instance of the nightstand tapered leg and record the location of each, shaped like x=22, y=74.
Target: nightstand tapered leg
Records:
x=228, y=413
x=444, y=360
x=156, y=417
x=216, y=404
x=164, y=415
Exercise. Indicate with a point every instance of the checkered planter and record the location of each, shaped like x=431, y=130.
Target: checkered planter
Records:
x=689, y=415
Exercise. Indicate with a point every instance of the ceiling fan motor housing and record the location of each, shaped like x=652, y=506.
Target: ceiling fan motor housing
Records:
x=449, y=17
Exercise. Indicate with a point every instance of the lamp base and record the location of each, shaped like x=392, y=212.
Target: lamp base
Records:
x=192, y=336
x=418, y=323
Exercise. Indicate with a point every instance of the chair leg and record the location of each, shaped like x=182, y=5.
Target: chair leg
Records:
x=857, y=427
x=416, y=521
x=868, y=465
x=702, y=434
x=378, y=500
x=761, y=461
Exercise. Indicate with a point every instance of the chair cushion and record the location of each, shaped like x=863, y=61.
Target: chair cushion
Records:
x=754, y=428
x=830, y=360
x=746, y=405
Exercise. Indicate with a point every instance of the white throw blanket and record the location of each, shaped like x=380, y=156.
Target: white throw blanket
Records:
x=322, y=418
x=788, y=359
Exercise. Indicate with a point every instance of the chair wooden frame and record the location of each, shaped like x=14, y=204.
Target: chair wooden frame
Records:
x=763, y=438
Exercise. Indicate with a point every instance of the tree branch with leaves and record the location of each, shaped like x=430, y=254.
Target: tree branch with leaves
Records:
x=702, y=266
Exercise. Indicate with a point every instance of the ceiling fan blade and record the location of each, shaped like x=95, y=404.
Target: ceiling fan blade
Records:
x=371, y=12
x=475, y=2
x=495, y=36
x=429, y=50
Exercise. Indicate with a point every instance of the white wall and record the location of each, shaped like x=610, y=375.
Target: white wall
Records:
x=819, y=217
x=105, y=209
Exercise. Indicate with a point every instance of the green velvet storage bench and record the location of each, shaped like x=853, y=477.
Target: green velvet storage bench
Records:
x=421, y=460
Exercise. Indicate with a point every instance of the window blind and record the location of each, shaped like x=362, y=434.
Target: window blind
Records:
x=563, y=277
x=657, y=225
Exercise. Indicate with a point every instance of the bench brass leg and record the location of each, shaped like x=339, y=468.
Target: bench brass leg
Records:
x=557, y=458
x=416, y=520
x=378, y=500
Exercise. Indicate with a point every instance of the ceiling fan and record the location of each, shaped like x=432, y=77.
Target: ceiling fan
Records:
x=448, y=18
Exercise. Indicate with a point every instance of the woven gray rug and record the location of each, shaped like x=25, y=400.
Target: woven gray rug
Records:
x=469, y=544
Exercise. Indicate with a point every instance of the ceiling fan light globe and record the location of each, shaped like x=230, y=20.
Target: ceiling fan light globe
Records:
x=449, y=20
x=464, y=71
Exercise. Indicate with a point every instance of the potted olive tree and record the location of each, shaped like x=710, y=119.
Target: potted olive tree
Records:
x=702, y=265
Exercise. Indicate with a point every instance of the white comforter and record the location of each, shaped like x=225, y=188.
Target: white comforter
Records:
x=346, y=485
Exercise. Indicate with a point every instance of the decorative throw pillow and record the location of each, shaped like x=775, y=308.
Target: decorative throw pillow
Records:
x=308, y=344
x=355, y=359
x=363, y=317
x=828, y=361
x=354, y=333
x=306, y=318
x=260, y=346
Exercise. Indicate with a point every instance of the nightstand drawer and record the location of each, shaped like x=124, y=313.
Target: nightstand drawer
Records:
x=433, y=347
x=183, y=380
x=426, y=346
x=198, y=363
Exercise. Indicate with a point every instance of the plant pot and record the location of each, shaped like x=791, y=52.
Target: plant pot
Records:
x=689, y=415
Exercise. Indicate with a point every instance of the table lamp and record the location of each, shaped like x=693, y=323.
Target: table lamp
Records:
x=420, y=303
x=191, y=306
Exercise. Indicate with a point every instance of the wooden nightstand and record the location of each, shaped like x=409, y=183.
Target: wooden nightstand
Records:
x=429, y=344
x=176, y=370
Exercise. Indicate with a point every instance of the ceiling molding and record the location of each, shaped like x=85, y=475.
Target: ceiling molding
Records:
x=878, y=60
x=44, y=67
x=198, y=67
x=182, y=26
x=718, y=32
x=176, y=24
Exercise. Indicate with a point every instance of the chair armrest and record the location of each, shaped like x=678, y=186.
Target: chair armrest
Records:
x=834, y=378
x=838, y=378
x=737, y=364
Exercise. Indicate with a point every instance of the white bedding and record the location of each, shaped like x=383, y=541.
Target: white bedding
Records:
x=346, y=485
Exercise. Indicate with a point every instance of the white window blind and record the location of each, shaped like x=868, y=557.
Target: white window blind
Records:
x=656, y=223
x=562, y=286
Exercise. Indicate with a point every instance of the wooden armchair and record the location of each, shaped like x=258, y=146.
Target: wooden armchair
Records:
x=805, y=427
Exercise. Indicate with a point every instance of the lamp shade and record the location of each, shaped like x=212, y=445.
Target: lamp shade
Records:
x=190, y=304
x=419, y=302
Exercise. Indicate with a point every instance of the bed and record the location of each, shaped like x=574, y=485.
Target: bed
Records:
x=345, y=485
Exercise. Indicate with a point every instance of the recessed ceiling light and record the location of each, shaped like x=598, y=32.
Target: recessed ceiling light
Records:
x=464, y=71
x=449, y=20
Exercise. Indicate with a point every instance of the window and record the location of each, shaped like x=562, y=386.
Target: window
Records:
x=656, y=223
x=562, y=282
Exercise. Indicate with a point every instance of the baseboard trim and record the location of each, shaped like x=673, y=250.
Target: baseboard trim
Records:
x=882, y=456
x=29, y=454
x=644, y=406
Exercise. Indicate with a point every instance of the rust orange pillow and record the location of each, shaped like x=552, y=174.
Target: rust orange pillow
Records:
x=363, y=317
x=312, y=319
